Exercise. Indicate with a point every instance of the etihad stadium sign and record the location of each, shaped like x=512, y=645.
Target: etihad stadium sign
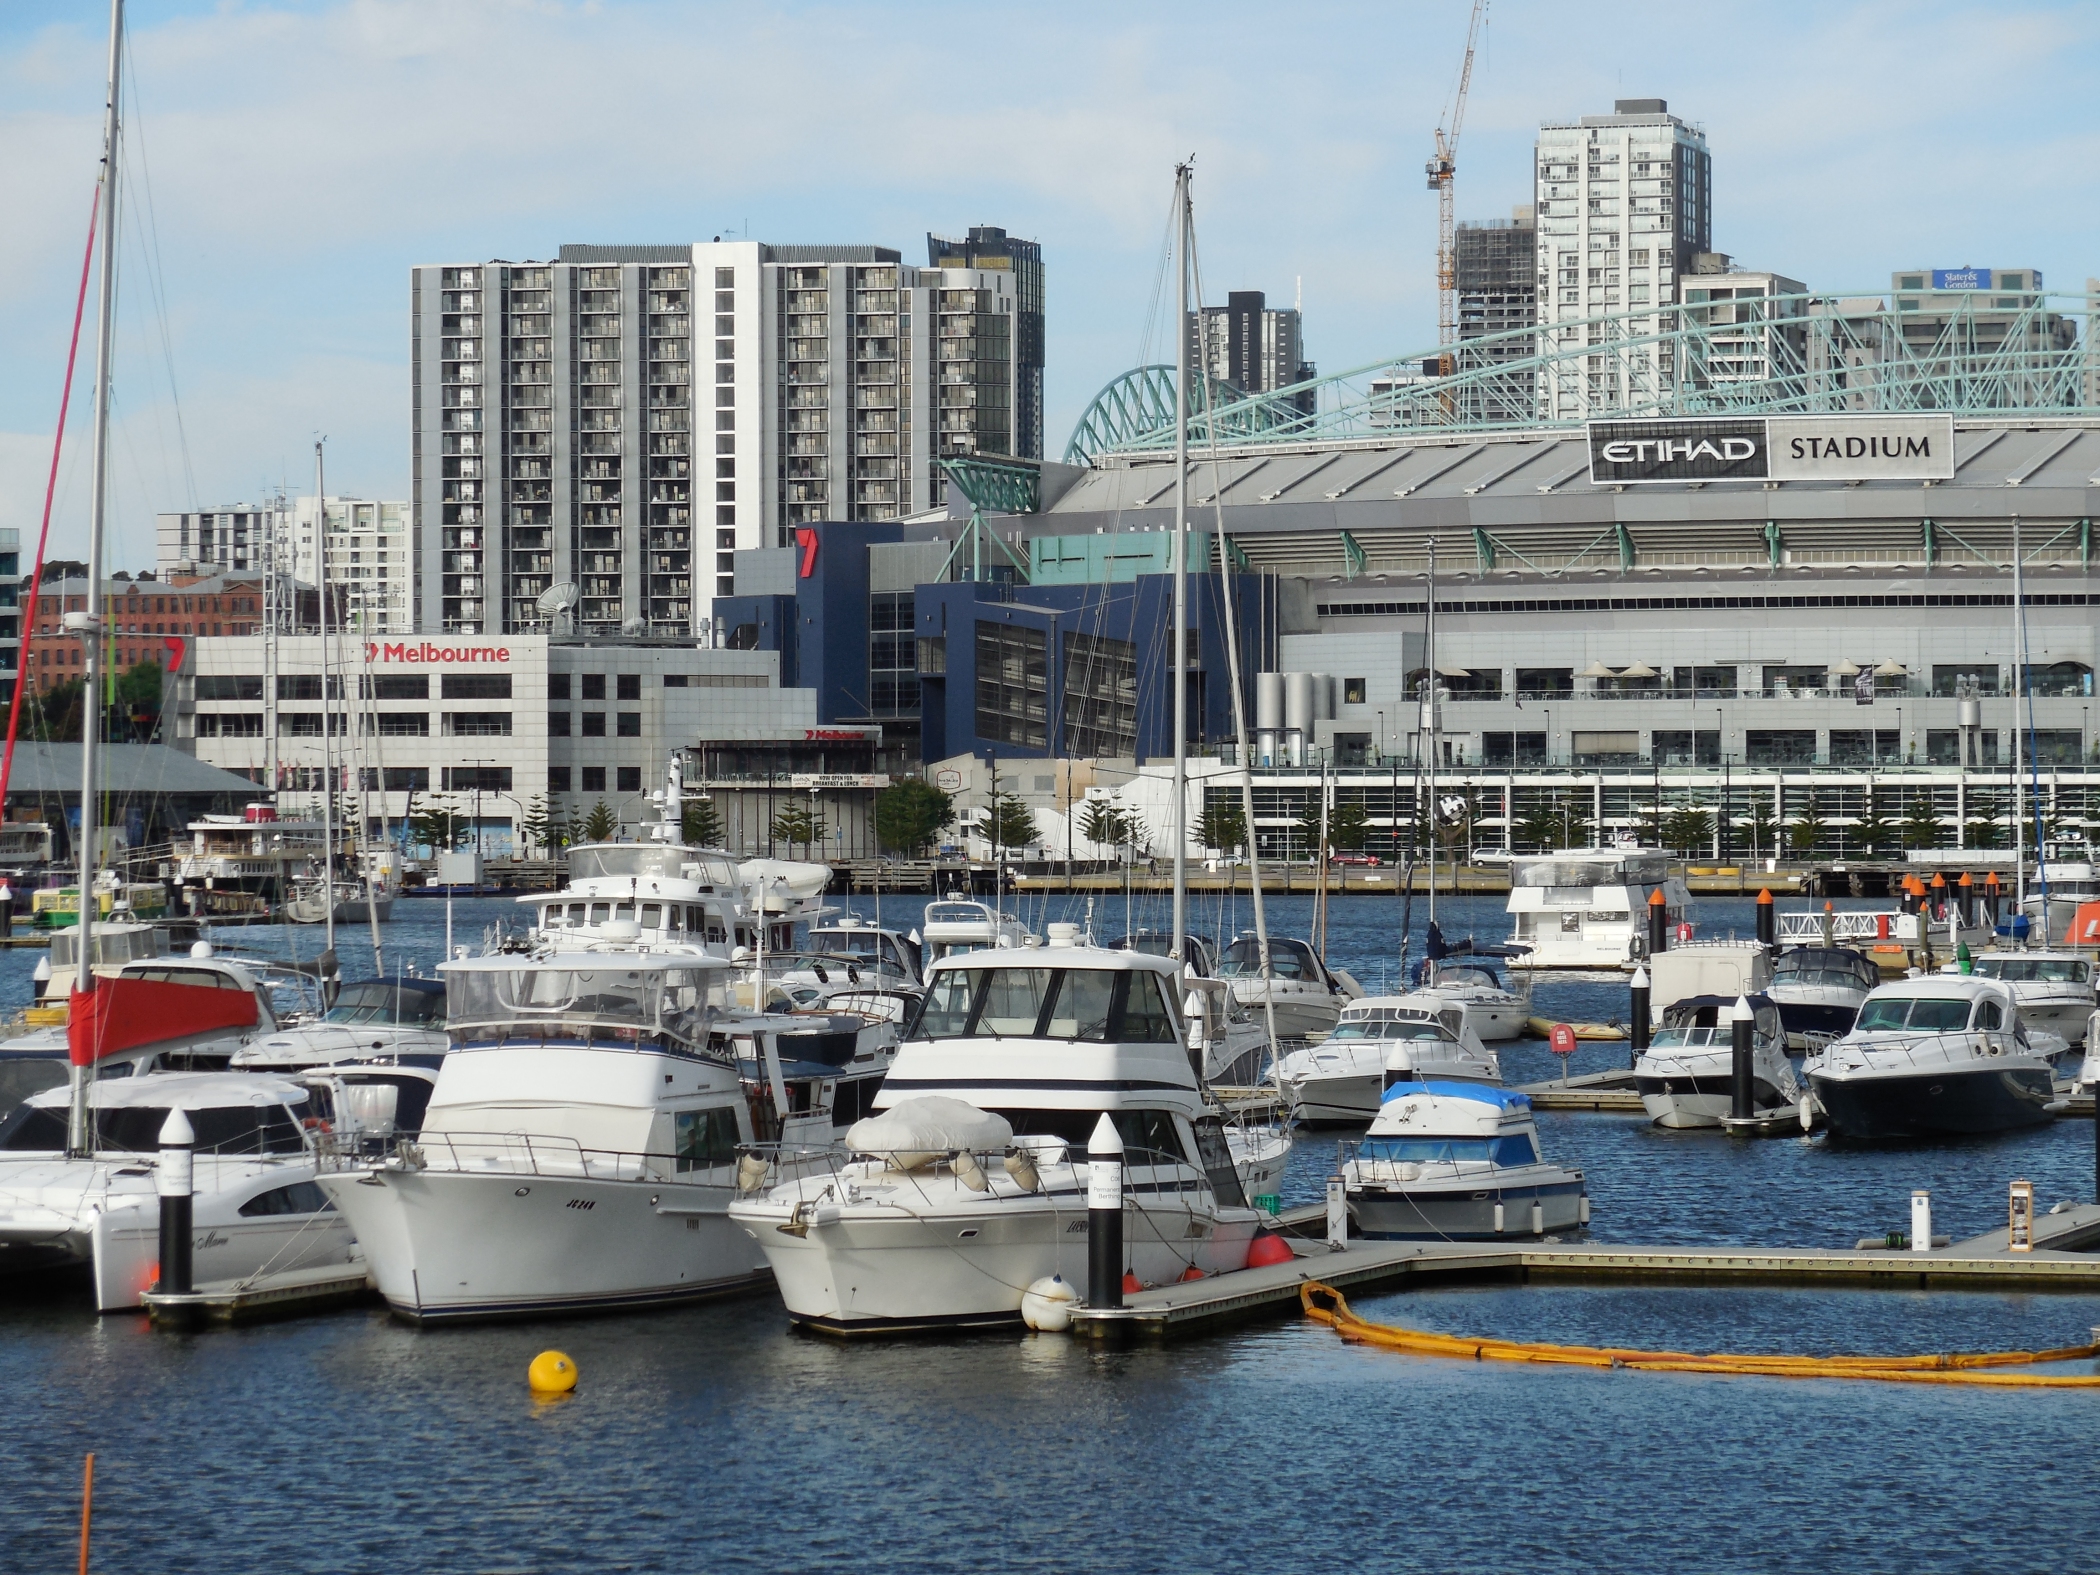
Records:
x=1772, y=448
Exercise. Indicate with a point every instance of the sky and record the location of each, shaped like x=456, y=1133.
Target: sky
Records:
x=288, y=161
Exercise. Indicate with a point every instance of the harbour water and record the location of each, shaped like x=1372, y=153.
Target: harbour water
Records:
x=714, y=1438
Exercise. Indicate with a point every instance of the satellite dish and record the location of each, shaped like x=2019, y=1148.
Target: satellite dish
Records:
x=554, y=604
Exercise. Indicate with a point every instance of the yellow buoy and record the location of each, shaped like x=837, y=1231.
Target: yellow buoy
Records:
x=551, y=1373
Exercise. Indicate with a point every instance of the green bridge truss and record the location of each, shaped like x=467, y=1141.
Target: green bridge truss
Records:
x=1807, y=354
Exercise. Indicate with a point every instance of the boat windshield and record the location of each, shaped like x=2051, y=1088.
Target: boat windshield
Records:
x=860, y=945
x=612, y=1002
x=1821, y=966
x=135, y=1129
x=1514, y=1149
x=625, y=860
x=2033, y=970
x=1098, y=1004
x=384, y=1001
x=1287, y=960
x=1921, y=1014
x=1360, y=1029
x=1471, y=977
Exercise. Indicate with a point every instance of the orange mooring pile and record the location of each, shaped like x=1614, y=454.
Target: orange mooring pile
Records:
x=1327, y=1305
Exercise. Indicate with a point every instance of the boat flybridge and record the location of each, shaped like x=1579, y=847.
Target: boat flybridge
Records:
x=955, y=926
x=2067, y=878
x=1935, y=1056
x=1455, y=1162
x=1342, y=1079
x=1818, y=990
x=968, y=1184
x=1308, y=995
x=95, y=1212
x=1588, y=907
x=1686, y=1076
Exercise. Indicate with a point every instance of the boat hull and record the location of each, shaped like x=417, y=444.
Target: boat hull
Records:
x=454, y=1246
x=1341, y=1100
x=1960, y=1101
x=1460, y=1210
x=1681, y=1102
x=1298, y=1015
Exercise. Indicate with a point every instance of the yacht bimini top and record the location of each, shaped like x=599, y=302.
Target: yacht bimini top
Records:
x=619, y=996
x=1505, y=1099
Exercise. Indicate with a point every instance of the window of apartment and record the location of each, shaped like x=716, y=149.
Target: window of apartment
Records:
x=557, y=724
x=394, y=686
x=628, y=780
x=674, y=680
x=557, y=686
x=629, y=686
x=593, y=685
x=594, y=724
x=1861, y=746
x=477, y=724
x=1013, y=685
x=477, y=779
x=1513, y=749
x=1353, y=691
x=629, y=724
x=476, y=686
x=594, y=779
x=1545, y=683
x=557, y=779
x=228, y=686
x=211, y=724
x=398, y=724
x=1100, y=701
x=1777, y=746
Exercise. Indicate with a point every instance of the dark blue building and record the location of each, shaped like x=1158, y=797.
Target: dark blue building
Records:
x=865, y=615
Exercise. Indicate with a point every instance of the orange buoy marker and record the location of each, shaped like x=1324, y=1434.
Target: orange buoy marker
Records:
x=551, y=1373
x=1658, y=922
x=1267, y=1250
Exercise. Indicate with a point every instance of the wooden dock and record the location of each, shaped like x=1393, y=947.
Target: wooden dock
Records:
x=1610, y=1091
x=1981, y=1263
x=284, y=1295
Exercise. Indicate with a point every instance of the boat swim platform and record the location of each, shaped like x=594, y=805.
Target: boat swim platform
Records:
x=1983, y=1263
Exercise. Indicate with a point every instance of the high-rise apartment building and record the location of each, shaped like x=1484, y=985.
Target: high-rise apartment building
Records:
x=1251, y=345
x=1498, y=294
x=235, y=538
x=368, y=566
x=1757, y=322
x=986, y=246
x=1624, y=202
x=596, y=437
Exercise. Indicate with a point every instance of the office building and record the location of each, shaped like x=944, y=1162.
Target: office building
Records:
x=1253, y=346
x=986, y=246
x=1951, y=317
x=1498, y=295
x=1624, y=202
x=597, y=436
x=1757, y=325
x=235, y=538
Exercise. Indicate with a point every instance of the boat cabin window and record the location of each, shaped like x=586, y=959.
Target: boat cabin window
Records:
x=135, y=1129
x=302, y=1197
x=1514, y=1149
x=1149, y=1136
x=703, y=1139
x=1470, y=976
x=1405, y=1028
x=652, y=915
x=2034, y=970
x=1989, y=1014
x=600, y=912
x=609, y=1002
x=1919, y=1014
x=1287, y=960
x=1834, y=969
x=381, y=1001
x=1096, y=1004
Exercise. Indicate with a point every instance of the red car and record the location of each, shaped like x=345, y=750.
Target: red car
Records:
x=1370, y=860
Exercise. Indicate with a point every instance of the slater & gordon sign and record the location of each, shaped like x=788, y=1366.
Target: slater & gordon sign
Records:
x=1772, y=448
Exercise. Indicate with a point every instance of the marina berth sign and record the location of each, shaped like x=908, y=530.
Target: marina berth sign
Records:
x=1772, y=448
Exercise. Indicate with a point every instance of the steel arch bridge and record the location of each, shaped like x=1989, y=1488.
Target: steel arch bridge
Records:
x=1801, y=354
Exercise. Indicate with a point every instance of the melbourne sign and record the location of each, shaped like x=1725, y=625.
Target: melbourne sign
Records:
x=425, y=651
x=1774, y=448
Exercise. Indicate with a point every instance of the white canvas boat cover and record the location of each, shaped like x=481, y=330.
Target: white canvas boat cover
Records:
x=930, y=1124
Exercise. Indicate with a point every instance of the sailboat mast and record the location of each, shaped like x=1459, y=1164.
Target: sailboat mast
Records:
x=1430, y=720
x=87, y=625
x=1182, y=228
x=327, y=715
x=2019, y=809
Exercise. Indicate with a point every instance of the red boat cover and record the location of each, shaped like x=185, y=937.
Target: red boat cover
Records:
x=2084, y=928
x=122, y=1014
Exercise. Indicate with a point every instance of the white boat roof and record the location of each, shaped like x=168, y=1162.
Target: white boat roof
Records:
x=1413, y=1001
x=1937, y=987
x=188, y=1090
x=1100, y=957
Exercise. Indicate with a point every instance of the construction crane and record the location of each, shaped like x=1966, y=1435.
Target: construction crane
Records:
x=1441, y=169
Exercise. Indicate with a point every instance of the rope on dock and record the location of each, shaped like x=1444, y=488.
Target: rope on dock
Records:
x=1327, y=1305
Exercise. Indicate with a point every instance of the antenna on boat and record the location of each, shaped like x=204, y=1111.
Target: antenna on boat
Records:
x=87, y=624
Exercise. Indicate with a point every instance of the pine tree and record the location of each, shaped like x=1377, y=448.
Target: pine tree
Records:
x=600, y=824
x=910, y=814
x=702, y=823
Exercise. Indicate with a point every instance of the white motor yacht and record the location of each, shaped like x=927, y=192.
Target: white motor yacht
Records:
x=955, y=926
x=1342, y=1079
x=1818, y=990
x=1588, y=907
x=1936, y=1056
x=969, y=1184
x=1308, y=995
x=890, y=951
x=403, y=1017
x=256, y=1209
x=159, y=1013
x=579, y=1150
x=1457, y=1161
x=1686, y=1076
x=1493, y=1011
x=2067, y=879
x=2053, y=989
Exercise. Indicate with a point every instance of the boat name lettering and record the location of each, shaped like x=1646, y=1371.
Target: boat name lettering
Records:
x=583, y=1203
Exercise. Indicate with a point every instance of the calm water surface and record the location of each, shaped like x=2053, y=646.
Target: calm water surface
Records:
x=714, y=1438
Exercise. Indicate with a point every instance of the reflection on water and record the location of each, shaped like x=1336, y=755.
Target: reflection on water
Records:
x=712, y=1438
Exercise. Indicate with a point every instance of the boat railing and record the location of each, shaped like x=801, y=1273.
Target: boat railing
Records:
x=1349, y=1160
x=1856, y=924
x=1020, y=1165
x=1932, y=1048
x=513, y=1154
